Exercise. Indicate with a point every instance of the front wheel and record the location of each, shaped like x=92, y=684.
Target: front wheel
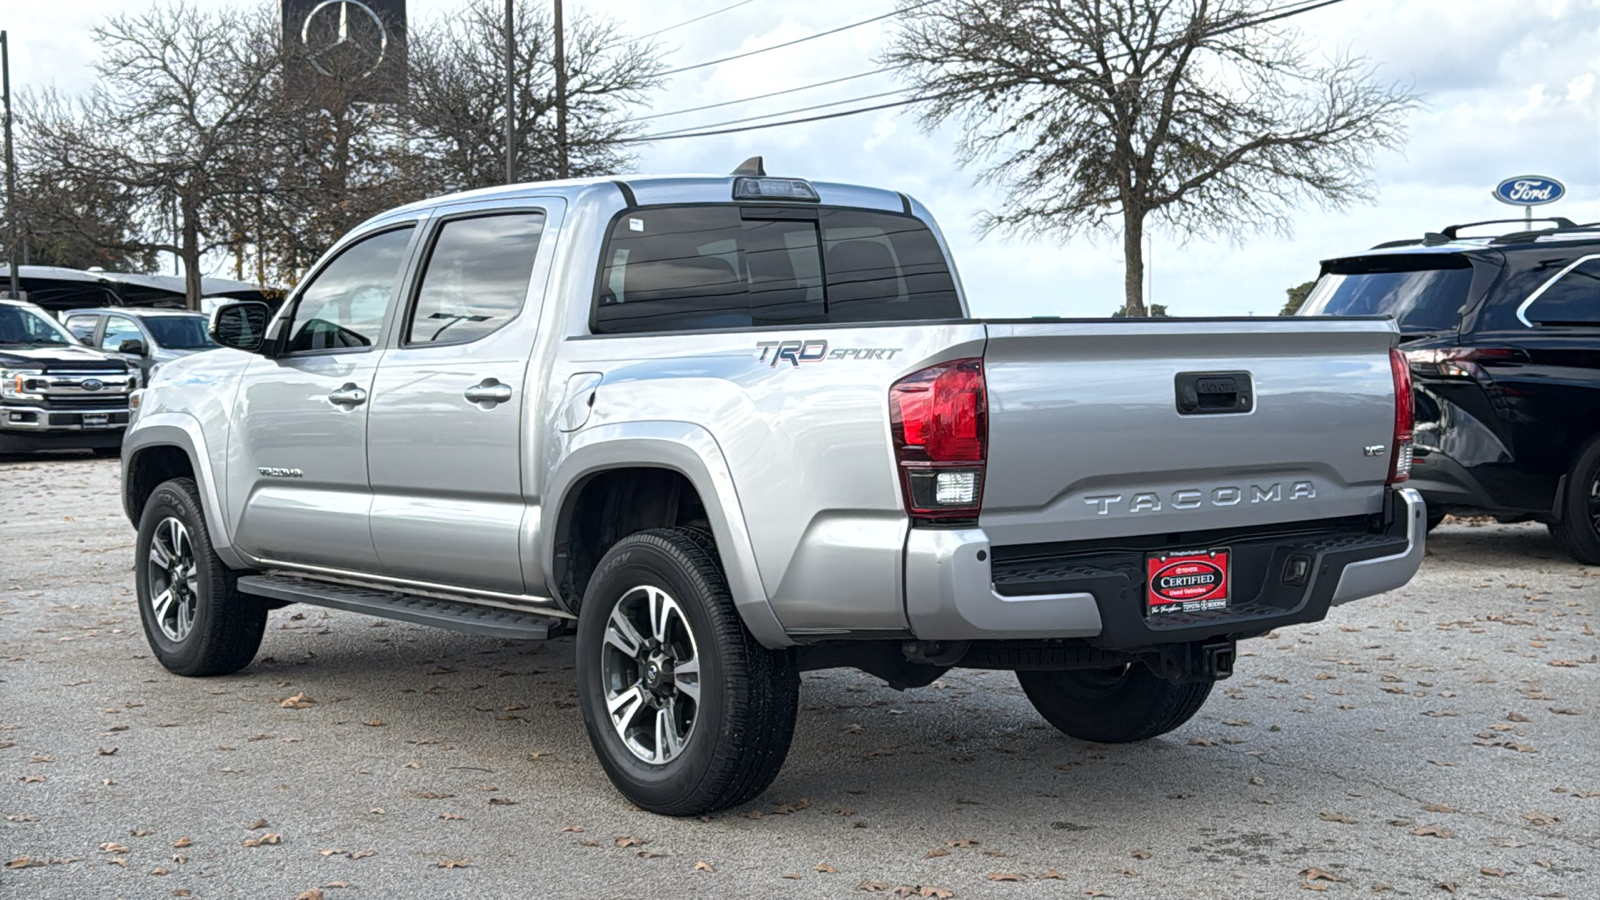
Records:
x=1578, y=529
x=1118, y=705
x=686, y=711
x=197, y=623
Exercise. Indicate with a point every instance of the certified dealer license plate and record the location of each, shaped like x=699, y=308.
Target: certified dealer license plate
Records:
x=91, y=420
x=1186, y=582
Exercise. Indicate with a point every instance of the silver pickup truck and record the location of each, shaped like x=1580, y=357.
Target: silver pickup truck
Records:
x=730, y=429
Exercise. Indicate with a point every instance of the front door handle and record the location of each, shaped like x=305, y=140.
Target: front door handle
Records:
x=489, y=392
x=349, y=395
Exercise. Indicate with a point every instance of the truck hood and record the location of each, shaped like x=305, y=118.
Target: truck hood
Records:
x=59, y=356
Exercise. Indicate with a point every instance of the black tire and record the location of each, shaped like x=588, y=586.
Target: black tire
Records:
x=1119, y=705
x=1578, y=529
x=1434, y=519
x=225, y=626
x=742, y=724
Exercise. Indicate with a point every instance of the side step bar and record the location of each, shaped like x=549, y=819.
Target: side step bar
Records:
x=448, y=614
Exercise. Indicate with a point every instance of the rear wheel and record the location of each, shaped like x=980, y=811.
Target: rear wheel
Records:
x=1578, y=530
x=1119, y=705
x=197, y=623
x=686, y=711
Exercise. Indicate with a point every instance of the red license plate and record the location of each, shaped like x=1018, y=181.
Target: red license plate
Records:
x=1186, y=582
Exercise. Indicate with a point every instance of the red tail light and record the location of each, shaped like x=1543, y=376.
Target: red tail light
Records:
x=1400, y=453
x=940, y=420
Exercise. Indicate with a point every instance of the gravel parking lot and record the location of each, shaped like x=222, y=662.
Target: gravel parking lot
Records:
x=1440, y=739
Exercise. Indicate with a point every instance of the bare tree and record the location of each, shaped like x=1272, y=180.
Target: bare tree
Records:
x=1205, y=114
x=458, y=89
x=178, y=111
x=68, y=218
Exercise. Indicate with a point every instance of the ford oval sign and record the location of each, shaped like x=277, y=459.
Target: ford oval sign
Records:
x=1530, y=190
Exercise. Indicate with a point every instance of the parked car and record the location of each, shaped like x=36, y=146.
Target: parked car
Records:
x=145, y=337
x=55, y=393
x=734, y=428
x=1502, y=334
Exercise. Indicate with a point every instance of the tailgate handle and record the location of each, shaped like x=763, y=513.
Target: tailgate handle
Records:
x=1213, y=393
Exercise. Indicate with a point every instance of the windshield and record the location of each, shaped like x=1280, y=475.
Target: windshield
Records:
x=180, y=332
x=24, y=328
x=1420, y=299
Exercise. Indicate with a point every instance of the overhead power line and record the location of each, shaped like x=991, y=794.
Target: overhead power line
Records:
x=708, y=15
x=717, y=128
x=790, y=112
x=793, y=90
x=809, y=37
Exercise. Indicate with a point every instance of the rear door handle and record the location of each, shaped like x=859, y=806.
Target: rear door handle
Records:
x=349, y=395
x=489, y=391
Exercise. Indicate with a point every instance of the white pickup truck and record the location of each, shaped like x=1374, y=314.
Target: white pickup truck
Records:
x=730, y=429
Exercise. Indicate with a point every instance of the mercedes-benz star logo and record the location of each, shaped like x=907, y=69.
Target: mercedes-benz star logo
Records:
x=342, y=44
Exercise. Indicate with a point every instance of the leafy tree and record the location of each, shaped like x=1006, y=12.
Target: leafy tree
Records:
x=1297, y=296
x=1207, y=115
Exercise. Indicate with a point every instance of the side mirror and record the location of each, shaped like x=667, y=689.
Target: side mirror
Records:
x=133, y=347
x=241, y=325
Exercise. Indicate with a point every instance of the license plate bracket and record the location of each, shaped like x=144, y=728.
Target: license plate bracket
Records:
x=1187, y=581
x=96, y=420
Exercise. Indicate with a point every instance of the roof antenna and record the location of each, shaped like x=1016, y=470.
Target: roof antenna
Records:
x=751, y=166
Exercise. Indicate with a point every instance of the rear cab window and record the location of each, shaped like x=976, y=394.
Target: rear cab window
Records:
x=1423, y=292
x=706, y=267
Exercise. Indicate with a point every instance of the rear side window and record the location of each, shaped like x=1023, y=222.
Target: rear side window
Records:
x=696, y=268
x=81, y=326
x=1423, y=294
x=477, y=277
x=1573, y=298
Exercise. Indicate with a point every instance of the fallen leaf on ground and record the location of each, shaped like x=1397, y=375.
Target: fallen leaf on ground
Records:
x=575, y=829
x=375, y=723
x=1202, y=742
x=961, y=842
x=1437, y=831
x=1316, y=874
x=1337, y=817
x=1493, y=873
x=792, y=876
x=1140, y=854
x=1538, y=818
x=824, y=867
x=271, y=837
x=259, y=824
x=703, y=866
x=23, y=862
x=626, y=841
x=313, y=894
x=461, y=863
x=937, y=851
x=113, y=847
x=873, y=887
x=181, y=843
x=1006, y=876
x=298, y=701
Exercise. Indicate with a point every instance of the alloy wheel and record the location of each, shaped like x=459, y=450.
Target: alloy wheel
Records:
x=650, y=671
x=174, y=579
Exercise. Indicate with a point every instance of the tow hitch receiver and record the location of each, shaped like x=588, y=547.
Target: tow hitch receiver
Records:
x=1180, y=663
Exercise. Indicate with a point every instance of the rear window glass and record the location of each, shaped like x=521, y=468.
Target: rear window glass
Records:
x=180, y=332
x=1572, y=299
x=1426, y=295
x=694, y=268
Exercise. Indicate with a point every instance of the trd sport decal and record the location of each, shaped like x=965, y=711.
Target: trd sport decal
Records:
x=797, y=352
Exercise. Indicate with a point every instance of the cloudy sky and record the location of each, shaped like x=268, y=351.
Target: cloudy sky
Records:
x=1509, y=88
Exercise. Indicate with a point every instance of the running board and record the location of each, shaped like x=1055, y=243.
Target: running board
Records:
x=448, y=614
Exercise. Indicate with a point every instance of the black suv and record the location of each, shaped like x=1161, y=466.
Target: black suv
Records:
x=1503, y=336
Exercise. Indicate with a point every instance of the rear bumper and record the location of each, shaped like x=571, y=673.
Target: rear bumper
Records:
x=30, y=440
x=957, y=590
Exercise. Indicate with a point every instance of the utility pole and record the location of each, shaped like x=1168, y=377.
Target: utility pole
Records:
x=511, y=96
x=11, y=169
x=561, y=96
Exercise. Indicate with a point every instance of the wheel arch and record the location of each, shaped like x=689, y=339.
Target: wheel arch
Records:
x=650, y=461
x=171, y=445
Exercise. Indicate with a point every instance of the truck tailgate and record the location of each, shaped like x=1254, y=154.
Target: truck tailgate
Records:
x=1087, y=440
